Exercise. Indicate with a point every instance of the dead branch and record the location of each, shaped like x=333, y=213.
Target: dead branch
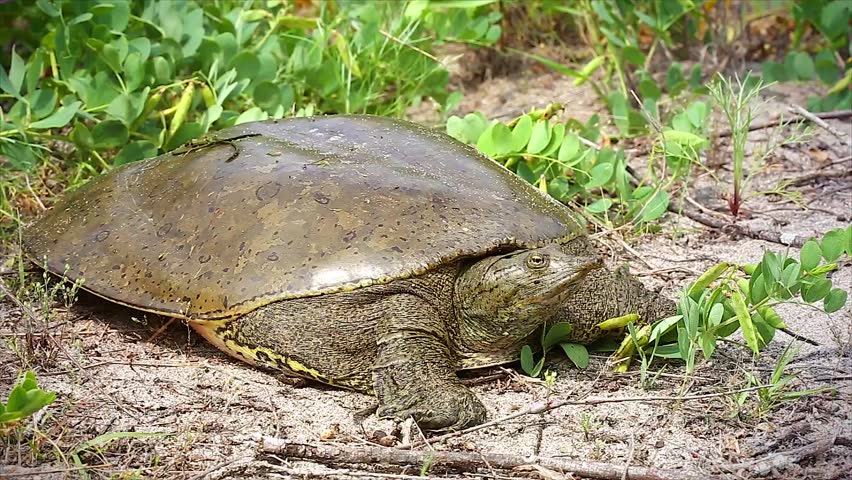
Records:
x=811, y=177
x=820, y=123
x=465, y=461
x=782, y=460
x=738, y=228
x=837, y=114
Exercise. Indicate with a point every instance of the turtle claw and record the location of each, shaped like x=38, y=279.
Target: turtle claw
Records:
x=453, y=410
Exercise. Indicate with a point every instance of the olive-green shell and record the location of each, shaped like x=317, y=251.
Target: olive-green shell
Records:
x=271, y=210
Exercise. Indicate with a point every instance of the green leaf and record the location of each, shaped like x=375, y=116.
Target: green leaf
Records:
x=134, y=71
x=251, y=115
x=82, y=137
x=110, y=134
x=60, y=118
x=522, y=133
x=599, y=206
x=48, y=8
x=600, y=175
x=771, y=317
x=633, y=55
x=162, y=70
x=17, y=71
x=135, y=151
x=707, y=340
x=684, y=138
x=803, y=66
x=555, y=334
x=112, y=57
x=246, y=63
x=127, y=107
x=656, y=206
x=714, y=317
x=42, y=102
x=810, y=255
x=569, y=149
x=835, y=300
x=816, y=291
x=496, y=140
x=826, y=67
x=746, y=325
x=540, y=137
x=577, y=354
x=833, y=244
x=663, y=326
x=527, y=362
x=267, y=95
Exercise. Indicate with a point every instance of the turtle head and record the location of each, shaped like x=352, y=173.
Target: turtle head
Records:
x=501, y=299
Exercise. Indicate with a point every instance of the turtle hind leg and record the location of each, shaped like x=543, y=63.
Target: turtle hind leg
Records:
x=316, y=338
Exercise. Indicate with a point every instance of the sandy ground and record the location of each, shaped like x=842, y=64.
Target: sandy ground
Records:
x=111, y=377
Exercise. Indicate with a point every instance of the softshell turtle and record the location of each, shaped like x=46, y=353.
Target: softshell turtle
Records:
x=364, y=252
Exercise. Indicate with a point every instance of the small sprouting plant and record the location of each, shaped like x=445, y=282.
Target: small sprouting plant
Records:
x=25, y=399
x=550, y=338
x=779, y=390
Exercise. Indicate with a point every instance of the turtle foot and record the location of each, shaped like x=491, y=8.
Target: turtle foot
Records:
x=445, y=409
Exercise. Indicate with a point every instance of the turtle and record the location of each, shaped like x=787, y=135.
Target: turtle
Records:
x=363, y=252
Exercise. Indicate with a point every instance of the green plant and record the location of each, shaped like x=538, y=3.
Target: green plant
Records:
x=550, y=338
x=611, y=29
x=562, y=160
x=25, y=399
x=736, y=101
x=743, y=298
x=779, y=390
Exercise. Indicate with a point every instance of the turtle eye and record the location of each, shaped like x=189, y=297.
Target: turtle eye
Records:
x=537, y=261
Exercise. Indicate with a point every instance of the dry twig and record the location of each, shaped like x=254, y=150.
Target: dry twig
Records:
x=466, y=461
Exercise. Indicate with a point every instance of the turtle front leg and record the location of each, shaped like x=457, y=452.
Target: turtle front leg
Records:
x=414, y=374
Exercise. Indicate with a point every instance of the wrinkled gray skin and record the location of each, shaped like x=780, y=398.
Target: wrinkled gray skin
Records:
x=605, y=294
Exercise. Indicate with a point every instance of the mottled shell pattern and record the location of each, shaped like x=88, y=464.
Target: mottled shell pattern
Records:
x=266, y=211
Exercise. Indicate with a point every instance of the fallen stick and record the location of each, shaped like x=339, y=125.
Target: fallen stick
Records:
x=820, y=123
x=781, y=460
x=465, y=461
x=737, y=228
x=837, y=114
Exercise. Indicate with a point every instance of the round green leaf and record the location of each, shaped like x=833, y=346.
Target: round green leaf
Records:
x=599, y=206
x=267, y=95
x=810, y=255
x=557, y=134
x=501, y=138
x=540, y=137
x=656, y=206
x=835, y=300
x=110, y=134
x=521, y=133
x=832, y=245
x=246, y=63
x=600, y=174
x=803, y=66
x=817, y=291
x=569, y=149
x=162, y=70
x=135, y=151
x=577, y=353
x=555, y=334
